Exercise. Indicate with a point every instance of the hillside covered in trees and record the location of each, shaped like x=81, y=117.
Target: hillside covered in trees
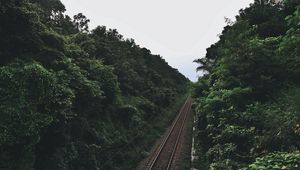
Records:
x=71, y=98
x=248, y=102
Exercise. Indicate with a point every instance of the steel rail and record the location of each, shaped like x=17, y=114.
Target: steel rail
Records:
x=178, y=138
x=163, y=144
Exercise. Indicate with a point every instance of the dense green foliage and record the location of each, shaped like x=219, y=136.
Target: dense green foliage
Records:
x=276, y=161
x=71, y=98
x=247, y=103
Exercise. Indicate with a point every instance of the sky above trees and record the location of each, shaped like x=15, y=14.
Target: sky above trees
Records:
x=178, y=30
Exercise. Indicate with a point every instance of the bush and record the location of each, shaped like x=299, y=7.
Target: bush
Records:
x=276, y=160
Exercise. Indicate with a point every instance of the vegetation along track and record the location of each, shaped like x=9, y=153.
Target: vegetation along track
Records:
x=164, y=156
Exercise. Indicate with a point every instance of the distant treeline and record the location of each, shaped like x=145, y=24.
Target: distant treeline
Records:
x=248, y=102
x=71, y=98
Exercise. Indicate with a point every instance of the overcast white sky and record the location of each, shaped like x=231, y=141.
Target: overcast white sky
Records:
x=178, y=30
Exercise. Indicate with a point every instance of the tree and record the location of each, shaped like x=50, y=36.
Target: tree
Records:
x=81, y=22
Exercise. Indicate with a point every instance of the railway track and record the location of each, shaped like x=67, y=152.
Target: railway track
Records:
x=165, y=155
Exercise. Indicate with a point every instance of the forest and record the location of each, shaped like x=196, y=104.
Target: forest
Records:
x=75, y=98
x=247, y=103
